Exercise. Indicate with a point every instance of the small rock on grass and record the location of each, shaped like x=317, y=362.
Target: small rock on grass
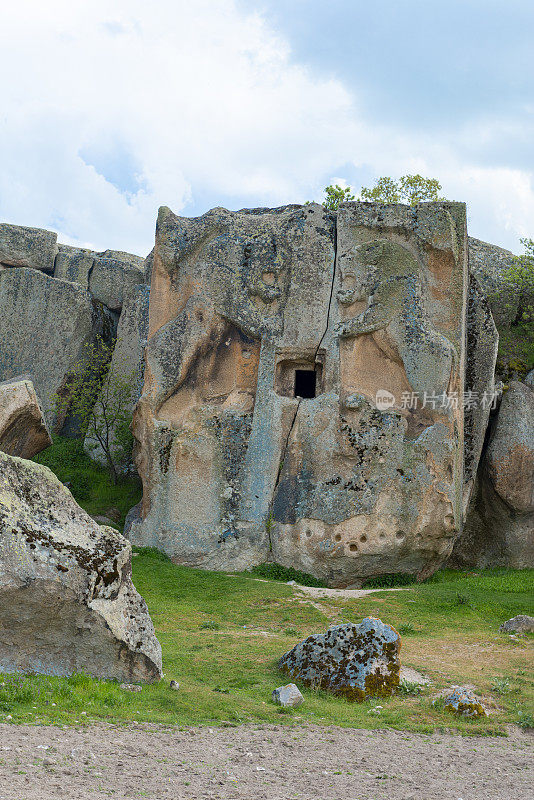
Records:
x=287, y=696
x=463, y=701
x=130, y=687
x=174, y=685
x=520, y=624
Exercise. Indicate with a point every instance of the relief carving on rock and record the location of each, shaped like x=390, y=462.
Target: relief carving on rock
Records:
x=273, y=335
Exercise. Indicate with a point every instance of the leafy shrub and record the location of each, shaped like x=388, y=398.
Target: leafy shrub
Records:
x=406, y=629
x=389, y=580
x=525, y=720
x=409, y=688
x=276, y=572
x=501, y=686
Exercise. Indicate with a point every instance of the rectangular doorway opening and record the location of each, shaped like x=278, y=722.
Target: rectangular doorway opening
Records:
x=305, y=383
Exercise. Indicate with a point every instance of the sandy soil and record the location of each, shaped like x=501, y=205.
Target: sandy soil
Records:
x=260, y=763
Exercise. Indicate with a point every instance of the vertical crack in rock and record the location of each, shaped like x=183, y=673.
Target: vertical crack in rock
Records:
x=334, y=271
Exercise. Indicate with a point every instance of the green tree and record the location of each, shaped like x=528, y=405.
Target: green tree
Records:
x=101, y=402
x=410, y=189
x=516, y=293
x=334, y=195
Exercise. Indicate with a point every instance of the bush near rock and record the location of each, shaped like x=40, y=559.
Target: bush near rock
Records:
x=353, y=661
x=67, y=601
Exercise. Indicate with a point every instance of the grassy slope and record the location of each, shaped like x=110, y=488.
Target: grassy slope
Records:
x=222, y=634
x=89, y=483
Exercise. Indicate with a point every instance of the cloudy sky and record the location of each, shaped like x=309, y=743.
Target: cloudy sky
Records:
x=111, y=108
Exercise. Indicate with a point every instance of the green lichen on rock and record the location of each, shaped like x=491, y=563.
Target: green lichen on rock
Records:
x=352, y=661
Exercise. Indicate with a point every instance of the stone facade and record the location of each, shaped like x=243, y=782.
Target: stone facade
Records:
x=283, y=349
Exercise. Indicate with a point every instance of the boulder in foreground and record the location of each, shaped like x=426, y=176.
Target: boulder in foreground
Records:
x=67, y=601
x=354, y=661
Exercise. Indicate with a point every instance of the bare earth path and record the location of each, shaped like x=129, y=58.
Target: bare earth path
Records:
x=260, y=763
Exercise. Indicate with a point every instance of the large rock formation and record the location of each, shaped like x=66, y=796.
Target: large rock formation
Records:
x=499, y=529
x=27, y=247
x=67, y=602
x=46, y=322
x=482, y=342
x=127, y=365
x=23, y=430
x=300, y=389
x=45, y=325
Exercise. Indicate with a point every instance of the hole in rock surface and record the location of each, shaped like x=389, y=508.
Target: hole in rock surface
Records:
x=305, y=383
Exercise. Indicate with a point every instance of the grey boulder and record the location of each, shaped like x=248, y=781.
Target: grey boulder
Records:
x=23, y=430
x=27, y=247
x=354, y=661
x=522, y=623
x=287, y=696
x=67, y=601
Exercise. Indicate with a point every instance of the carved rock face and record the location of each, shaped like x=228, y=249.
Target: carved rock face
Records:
x=284, y=353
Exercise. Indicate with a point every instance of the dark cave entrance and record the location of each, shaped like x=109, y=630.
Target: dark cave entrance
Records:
x=305, y=383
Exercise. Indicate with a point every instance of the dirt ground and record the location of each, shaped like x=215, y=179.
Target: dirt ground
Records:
x=260, y=763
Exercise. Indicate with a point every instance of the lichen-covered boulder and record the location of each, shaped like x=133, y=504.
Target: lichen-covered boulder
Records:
x=274, y=337
x=23, y=429
x=27, y=247
x=522, y=623
x=67, y=601
x=464, y=702
x=354, y=661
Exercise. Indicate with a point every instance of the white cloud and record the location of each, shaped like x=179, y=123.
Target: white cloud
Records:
x=200, y=99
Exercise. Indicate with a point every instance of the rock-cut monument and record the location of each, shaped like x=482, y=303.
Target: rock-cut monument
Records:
x=303, y=389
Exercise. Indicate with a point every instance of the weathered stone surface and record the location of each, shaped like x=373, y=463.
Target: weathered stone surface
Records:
x=128, y=361
x=23, y=430
x=45, y=324
x=288, y=696
x=481, y=355
x=258, y=427
x=113, y=274
x=487, y=263
x=463, y=701
x=499, y=529
x=529, y=380
x=27, y=247
x=522, y=623
x=74, y=264
x=67, y=602
x=510, y=457
x=355, y=661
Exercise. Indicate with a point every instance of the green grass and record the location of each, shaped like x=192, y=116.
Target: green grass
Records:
x=90, y=483
x=223, y=634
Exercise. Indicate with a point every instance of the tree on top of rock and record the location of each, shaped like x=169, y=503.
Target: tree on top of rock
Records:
x=410, y=189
